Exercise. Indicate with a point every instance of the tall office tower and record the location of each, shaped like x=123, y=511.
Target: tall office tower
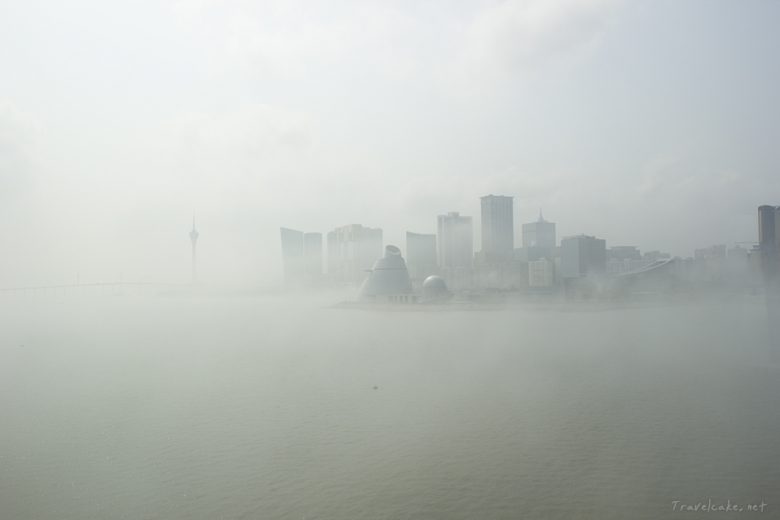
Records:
x=194, y=239
x=352, y=251
x=769, y=239
x=539, y=239
x=498, y=230
x=767, y=228
x=456, y=241
x=539, y=234
x=420, y=255
x=583, y=256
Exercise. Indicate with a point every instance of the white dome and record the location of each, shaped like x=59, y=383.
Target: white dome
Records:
x=434, y=287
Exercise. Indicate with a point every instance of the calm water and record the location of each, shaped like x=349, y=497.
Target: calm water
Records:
x=264, y=408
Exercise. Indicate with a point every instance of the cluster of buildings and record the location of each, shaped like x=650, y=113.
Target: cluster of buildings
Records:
x=540, y=263
x=738, y=266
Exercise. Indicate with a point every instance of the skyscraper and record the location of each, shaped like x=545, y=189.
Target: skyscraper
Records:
x=498, y=231
x=582, y=256
x=539, y=234
x=769, y=239
x=420, y=255
x=352, y=251
x=456, y=241
x=194, y=239
x=539, y=239
x=767, y=226
x=301, y=256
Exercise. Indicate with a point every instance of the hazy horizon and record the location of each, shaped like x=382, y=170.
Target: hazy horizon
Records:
x=647, y=124
x=458, y=382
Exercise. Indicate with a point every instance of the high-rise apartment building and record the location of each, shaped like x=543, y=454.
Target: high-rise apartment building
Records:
x=352, y=251
x=456, y=241
x=301, y=256
x=498, y=231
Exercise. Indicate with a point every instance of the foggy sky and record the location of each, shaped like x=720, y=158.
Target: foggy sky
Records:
x=652, y=124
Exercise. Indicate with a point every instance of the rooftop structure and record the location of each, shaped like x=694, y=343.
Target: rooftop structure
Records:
x=539, y=234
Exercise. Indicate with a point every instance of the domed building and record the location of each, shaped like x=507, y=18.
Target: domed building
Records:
x=388, y=281
x=434, y=289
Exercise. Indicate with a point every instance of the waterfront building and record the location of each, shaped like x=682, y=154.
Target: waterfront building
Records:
x=301, y=256
x=352, y=250
x=539, y=240
x=388, y=281
x=456, y=241
x=583, y=256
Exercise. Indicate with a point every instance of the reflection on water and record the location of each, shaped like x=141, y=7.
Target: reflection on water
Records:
x=278, y=408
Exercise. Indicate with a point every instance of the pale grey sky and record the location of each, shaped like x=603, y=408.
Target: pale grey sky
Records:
x=646, y=123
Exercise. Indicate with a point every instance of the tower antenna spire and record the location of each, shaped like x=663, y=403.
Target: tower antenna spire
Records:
x=194, y=239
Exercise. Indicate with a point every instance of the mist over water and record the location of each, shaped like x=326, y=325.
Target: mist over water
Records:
x=349, y=260
x=144, y=406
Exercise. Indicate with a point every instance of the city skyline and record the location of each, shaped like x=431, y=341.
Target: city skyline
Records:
x=539, y=263
x=263, y=115
x=541, y=234
x=452, y=259
x=353, y=248
x=581, y=267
